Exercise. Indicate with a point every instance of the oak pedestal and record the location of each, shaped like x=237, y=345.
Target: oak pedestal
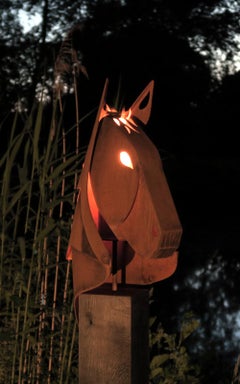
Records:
x=113, y=336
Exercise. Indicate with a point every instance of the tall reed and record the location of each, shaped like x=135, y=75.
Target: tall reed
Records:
x=38, y=333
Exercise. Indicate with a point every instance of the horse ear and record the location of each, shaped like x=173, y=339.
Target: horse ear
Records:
x=141, y=108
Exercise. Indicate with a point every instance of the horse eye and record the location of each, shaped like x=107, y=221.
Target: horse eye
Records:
x=126, y=159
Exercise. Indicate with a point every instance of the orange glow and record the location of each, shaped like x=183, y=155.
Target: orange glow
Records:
x=116, y=121
x=69, y=253
x=92, y=202
x=124, y=117
x=126, y=159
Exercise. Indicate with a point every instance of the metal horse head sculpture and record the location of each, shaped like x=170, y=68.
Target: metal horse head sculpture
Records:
x=123, y=197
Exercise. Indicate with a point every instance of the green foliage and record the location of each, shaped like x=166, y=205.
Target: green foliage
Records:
x=38, y=332
x=171, y=362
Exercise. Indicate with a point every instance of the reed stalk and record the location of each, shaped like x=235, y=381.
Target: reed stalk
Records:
x=32, y=247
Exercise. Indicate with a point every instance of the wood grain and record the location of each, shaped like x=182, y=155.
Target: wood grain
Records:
x=113, y=336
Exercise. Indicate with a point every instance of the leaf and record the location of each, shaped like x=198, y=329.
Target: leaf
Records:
x=60, y=168
x=155, y=372
x=22, y=174
x=10, y=160
x=188, y=327
x=22, y=247
x=37, y=130
x=16, y=197
x=45, y=231
x=152, y=321
x=159, y=360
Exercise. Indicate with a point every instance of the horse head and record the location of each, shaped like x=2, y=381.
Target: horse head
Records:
x=124, y=197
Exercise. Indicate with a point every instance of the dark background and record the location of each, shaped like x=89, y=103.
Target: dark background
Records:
x=194, y=124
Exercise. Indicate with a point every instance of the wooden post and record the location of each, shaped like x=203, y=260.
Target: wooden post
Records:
x=113, y=336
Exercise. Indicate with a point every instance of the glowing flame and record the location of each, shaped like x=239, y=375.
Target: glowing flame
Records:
x=126, y=159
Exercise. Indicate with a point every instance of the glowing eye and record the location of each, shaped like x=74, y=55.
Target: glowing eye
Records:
x=126, y=159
